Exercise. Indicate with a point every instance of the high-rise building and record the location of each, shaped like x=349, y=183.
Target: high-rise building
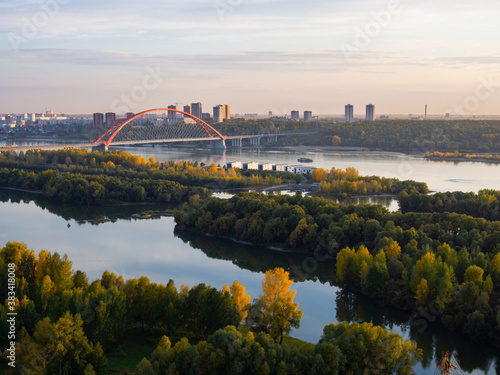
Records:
x=196, y=110
x=349, y=113
x=308, y=115
x=171, y=114
x=98, y=120
x=129, y=114
x=370, y=112
x=219, y=113
x=295, y=115
x=227, y=111
x=110, y=119
x=187, y=109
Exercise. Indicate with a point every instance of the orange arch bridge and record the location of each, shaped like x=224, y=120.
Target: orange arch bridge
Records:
x=110, y=134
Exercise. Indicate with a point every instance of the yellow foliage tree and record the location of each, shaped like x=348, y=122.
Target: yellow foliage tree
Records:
x=241, y=298
x=274, y=311
x=422, y=292
x=393, y=250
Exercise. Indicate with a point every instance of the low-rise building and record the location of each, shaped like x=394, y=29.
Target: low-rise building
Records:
x=304, y=170
x=266, y=167
x=251, y=165
x=279, y=168
x=234, y=164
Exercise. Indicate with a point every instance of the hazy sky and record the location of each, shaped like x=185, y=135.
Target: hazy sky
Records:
x=76, y=56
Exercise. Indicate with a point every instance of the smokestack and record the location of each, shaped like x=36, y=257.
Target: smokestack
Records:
x=426, y=112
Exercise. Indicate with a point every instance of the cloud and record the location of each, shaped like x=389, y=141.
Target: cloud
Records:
x=323, y=60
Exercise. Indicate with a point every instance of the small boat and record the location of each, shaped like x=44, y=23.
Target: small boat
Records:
x=305, y=160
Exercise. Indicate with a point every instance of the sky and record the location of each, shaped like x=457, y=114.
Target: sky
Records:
x=77, y=57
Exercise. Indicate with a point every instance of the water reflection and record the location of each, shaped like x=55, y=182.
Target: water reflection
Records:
x=92, y=214
x=431, y=338
x=158, y=250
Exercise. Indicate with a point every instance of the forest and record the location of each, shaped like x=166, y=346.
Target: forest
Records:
x=68, y=325
x=485, y=204
x=337, y=182
x=92, y=178
x=408, y=136
x=447, y=262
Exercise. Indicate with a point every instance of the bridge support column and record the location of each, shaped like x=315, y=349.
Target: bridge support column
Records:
x=100, y=148
x=218, y=144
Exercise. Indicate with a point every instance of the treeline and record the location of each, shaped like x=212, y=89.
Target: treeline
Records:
x=122, y=164
x=343, y=349
x=486, y=203
x=348, y=181
x=97, y=189
x=66, y=325
x=457, y=155
x=458, y=256
x=419, y=136
x=397, y=135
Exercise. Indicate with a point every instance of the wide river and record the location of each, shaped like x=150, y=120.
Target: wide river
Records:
x=154, y=248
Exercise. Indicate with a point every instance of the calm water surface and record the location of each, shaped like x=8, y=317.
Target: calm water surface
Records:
x=154, y=248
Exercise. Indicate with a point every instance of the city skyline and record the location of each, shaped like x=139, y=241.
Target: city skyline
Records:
x=258, y=55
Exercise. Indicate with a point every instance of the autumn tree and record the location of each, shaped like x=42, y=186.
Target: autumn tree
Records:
x=336, y=140
x=274, y=311
x=241, y=299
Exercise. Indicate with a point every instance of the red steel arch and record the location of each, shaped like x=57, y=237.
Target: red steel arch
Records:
x=112, y=132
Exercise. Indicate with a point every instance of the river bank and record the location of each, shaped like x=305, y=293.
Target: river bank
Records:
x=344, y=150
x=463, y=159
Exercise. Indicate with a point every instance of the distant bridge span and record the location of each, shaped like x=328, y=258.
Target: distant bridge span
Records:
x=107, y=137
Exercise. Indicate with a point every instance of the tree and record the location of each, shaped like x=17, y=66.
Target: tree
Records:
x=474, y=274
x=336, y=140
x=274, y=311
x=241, y=299
x=368, y=349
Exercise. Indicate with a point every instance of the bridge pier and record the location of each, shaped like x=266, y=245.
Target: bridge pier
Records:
x=100, y=148
x=218, y=144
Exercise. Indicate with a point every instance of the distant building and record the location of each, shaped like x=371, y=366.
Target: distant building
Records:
x=227, y=112
x=303, y=170
x=129, y=114
x=278, y=168
x=308, y=115
x=98, y=120
x=251, y=165
x=205, y=116
x=234, y=164
x=295, y=115
x=370, y=112
x=349, y=113
x=218, y=113
x=266, y=167
x=110, y=119
x=171, y=114
x=270, y=113
x=384, y=117
x=196, y=110
x=187, y=109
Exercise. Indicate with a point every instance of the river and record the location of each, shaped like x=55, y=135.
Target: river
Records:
x=134, y=247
